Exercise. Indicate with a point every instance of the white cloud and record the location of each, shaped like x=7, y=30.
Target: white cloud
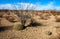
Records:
x=45, y=7
x=7, y=6
x=29, y=6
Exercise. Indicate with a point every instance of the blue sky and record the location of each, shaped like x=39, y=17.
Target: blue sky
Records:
x=37, y=4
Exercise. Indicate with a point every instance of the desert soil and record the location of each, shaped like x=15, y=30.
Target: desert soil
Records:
x=50, y=30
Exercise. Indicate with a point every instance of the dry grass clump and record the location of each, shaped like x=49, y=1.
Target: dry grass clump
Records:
x=18, y=26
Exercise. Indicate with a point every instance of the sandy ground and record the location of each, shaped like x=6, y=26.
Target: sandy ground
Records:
x=51, y=30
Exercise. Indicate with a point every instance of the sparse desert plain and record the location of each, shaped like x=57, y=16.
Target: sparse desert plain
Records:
x=39, y=24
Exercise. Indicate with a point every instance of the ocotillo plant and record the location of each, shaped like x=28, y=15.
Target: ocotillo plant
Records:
x=0, y=21
x=24, y=15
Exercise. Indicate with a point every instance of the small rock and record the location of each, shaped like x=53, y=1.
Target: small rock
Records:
x=48, y=33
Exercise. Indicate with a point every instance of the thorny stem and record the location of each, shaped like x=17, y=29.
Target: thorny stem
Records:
x=0, y=21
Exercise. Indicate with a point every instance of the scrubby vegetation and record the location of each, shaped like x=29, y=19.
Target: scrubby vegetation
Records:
x=44, y=25
x=18, y=26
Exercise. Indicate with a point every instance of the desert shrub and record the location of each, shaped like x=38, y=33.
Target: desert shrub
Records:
x=23, y=18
